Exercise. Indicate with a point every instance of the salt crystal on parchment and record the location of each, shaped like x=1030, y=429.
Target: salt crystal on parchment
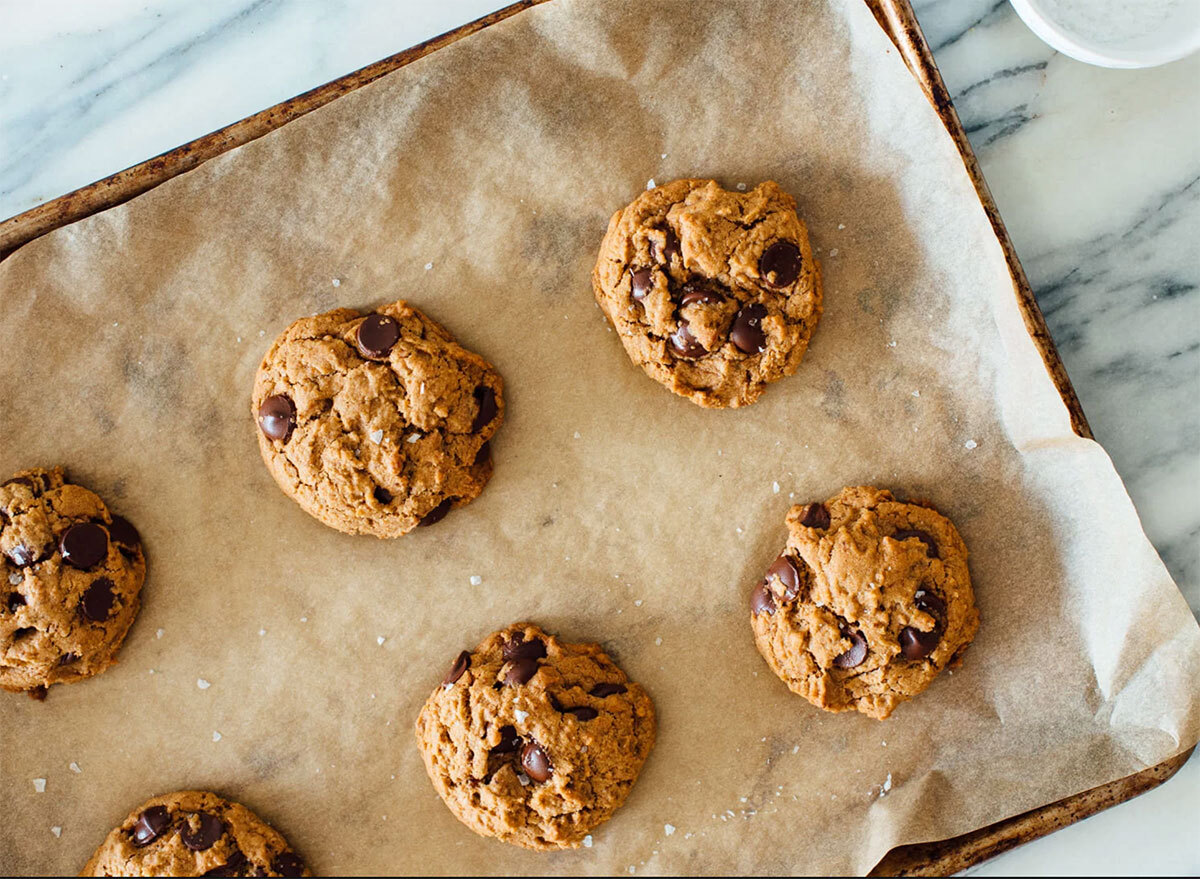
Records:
x=39, y=785
x=57, y=831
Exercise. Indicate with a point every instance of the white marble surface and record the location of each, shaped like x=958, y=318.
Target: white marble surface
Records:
x=1096, y=172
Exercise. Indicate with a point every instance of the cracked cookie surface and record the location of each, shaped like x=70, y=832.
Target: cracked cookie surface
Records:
x=713, y=293
x=535, y=741
x=71, y=576
x=376, y=423
x=194, y=833
x=869, y=600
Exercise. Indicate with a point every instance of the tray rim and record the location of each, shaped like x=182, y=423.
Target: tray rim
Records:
x=899, y=22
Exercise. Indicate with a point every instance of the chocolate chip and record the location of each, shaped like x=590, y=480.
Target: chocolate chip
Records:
x=22, y=556
x=84, y=545
x=123, y=534
x=762, y=601
x=510, y=740
x=520, y=671
x=779, y=265
x=696, y=292
x=23, y=632
x=535, y=762
x=150, y=825
x=461, y=664
x=382, y=495
x=14, y=600
x=815, y=516
x=916, y=644
x=205, y=837
x=683, y=344
x=277, y=417
x=68, y=659
x=784, y=570
x=931, y=603
x=670, y=248
x=486, y=398
x=924, y=537
x=233, y=865
x=857, y=652
x=747, y=332
x=288, y=864
x=438, y=513
x=602, y=690
x=485, y=452
x=640, y=284
x=97, y=601
x=376, y=335
x=583, y=712
x=519, y=648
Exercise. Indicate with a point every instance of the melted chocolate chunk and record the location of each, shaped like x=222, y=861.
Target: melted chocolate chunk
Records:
x=150, y=825
x=856, y=654
x=461, y=663
x=277, y=417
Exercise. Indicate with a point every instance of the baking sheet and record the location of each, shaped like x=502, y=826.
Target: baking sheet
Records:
x=617, y=513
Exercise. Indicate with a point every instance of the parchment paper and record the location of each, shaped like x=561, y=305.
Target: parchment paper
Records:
x=477, y=184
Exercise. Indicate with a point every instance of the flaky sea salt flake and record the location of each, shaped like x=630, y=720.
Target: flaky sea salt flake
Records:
x=668, y=829
x=587, y=841
x=202, y=684
x=74, y=767
x=216, y=736
x=376, y=436
x=57, y=831
x=39, y=785
x=520, y=715
x=650, y=184
x=476, y=579
x=970, y=444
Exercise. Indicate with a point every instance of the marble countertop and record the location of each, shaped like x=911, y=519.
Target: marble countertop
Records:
x=1096, y=173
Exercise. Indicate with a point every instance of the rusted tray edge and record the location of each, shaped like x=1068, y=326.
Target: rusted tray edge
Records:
x=945, y=857
x=897, y=19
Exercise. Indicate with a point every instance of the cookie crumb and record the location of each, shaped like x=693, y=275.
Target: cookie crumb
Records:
x=970, y=444
x=74, y=767
x=668, y=829
x=202, y=684
x=57, y=831
x=476, y=579
x=376, y=436
x=39, y=785
x=587, y=841
x=217, y=737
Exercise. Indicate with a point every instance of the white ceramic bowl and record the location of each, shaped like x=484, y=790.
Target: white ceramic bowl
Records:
x=1116, y=33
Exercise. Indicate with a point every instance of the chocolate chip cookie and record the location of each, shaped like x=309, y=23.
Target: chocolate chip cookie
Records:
x=376, y=423
x=535, y=741
x=71, y=575
x=868, y=601
x=713, y=293
x=194, y=833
